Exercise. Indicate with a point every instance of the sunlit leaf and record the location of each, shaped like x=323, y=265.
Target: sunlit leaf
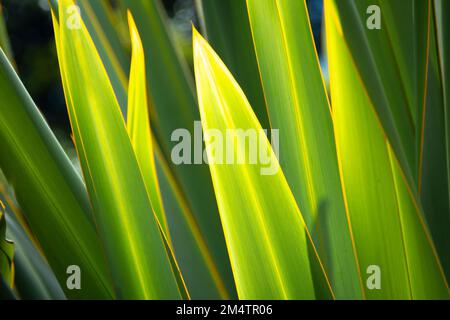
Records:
x=434, y=182
x=298, y=106
x=49, y=189
x=234, y=44
x=173, y=106
x=265, y=233
x=392, y=64
x=135, y=251
x=390, y=235
x=138, y=124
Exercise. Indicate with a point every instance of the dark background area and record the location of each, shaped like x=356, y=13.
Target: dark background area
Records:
x=30, y=30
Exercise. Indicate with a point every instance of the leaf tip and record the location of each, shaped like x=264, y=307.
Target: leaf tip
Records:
x=199, y=44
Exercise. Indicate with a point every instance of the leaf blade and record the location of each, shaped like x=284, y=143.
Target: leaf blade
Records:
x=297, y=105
x=138, y=124
x=37, y=168
x=384, y=214
x=257, y=239
x=122, y=209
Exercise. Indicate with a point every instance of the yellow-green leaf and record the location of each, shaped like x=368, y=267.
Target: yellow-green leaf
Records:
x=50, y=191
x=134, y=247
x=298, y=106
x=233, y=43
x=138, y=124
x=172, y=106
x=392, y=62
x=265, y=232
x=392, y=242
x=434, y=178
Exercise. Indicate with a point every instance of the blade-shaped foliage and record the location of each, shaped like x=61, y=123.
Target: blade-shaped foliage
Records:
x=350, y=201
x=100, y=24
x=138, y=124
x=134, y=247
x=48, y=188
x=195, y=260
x=33, y=276
x=139, y=131
x=390, y=236
x=392, y=62
x=442, y=9
x=173, y=106
x=266, y=236
x=434, y=182
x=234, y=44
x=202, y=269
x=298, y=106
x=197, y=265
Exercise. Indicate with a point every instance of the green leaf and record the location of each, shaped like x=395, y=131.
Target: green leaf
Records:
x=384, y=215
x=49, y=190
x=173, y=106
x=33, y=277
x=443, y=29
x=101, y=26
x=138, y=124
x=203, y=280
x=234, y=44
x=134, y=248
x=392, y=64
x=434, y=166
x=196, y=262
x=298, y=106
x=203, y=269
x=140, y=134
x=266, y=235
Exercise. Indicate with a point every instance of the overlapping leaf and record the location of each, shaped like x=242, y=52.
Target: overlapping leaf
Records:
x=298, y=106
x=434, y=152
x=266, y=237
x=173, y=106
x=205, y=270
x=233, y=42
x=392, y=63
x=135, y=251
x=50, y=191
x=384, y=215
x=138, y=124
